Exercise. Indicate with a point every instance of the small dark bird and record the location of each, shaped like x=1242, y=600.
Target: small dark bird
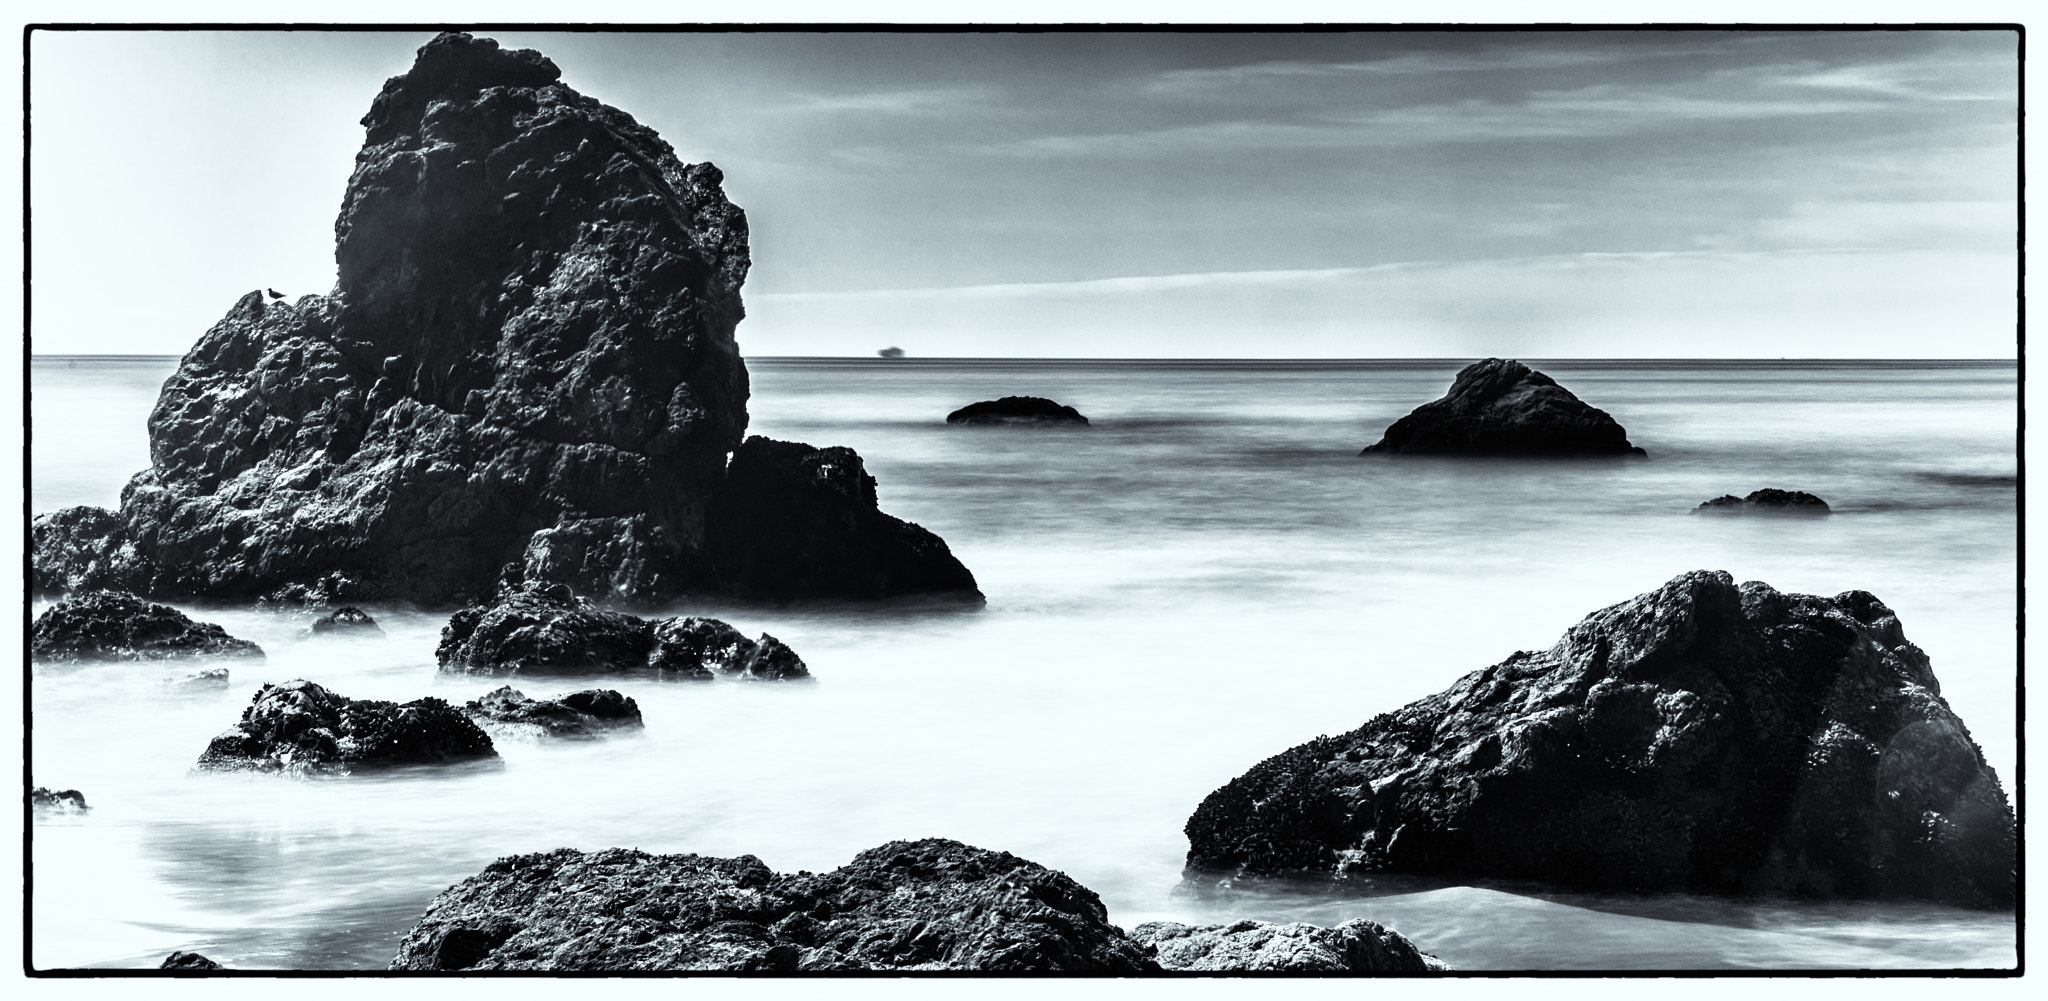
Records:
x=275, y=294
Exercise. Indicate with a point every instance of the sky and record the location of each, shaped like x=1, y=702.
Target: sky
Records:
x=1153, y=194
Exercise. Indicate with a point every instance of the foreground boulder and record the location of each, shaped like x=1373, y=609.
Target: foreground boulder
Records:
x=1765, y=501
x=1356, y=946
x=907, y=905
x=113, y=626
x=1702, y=737
x=528, y=358
x=56, y=801
x=188, y=961
x=1016, y=410
x=1498, y=407
x=299, y=728
x=548, y=630
x=580, y=715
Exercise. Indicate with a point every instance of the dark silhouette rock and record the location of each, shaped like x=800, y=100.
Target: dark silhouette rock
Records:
x=1016, y=410
x=580, y=715
x=111, y=626
x=1356, y=946
x=801, y=522
x=55, y=801
x=907, y=905
x=189, y=961
x=1700, y=737
x=1765, y=501
x=347, y=620
x=537, y=629
x=891, y=352
x=1499, y=408
x=212, y=679
x=528, y=359
x=300, y=728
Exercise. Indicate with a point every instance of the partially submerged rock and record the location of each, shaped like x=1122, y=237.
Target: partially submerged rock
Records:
x=547, y=630
x=1765, y=501
x=212, y=679
x=300, y=728
x=347, y=620
x=1016, y=410
x=188, y=961
x=582, y=715
x=1356, y=946
x=113, y=626
x=907, y=905
x=1700, y=737
x=56, y=801
x=1498, y=407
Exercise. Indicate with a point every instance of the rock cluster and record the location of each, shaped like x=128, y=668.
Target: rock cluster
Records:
x=1498, y=407
x=1701, y=737
x=113, y=626
x=528, y=359
x=49, y=801
x=1356, y=946
x=1016, y=410
x=546, y=630
x=1765, y=501
x=580, y=715
x=299, y=728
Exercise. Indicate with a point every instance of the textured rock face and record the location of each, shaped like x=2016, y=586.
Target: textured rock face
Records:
x=1701, y=737
x=111, y=626
x=1356, y=946
x=907, y=905
x=1016, y=410
x=188, y=961
x=528, y=359
x=1765, y=501
x=300, y=728
x=1500, y=407
x=547, y=630
x=580, y=715
x=56, y=801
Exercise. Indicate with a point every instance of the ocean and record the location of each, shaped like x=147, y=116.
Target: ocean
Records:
x=1205, y=576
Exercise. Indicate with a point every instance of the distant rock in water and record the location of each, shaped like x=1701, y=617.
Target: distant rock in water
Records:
x=111, y=626
x=1356, y=946
x=907, y=905
x=546, y=630
x=578, y=716
x=1016, y=410
x=299, y=728
x=212, y=679
x=188, y=961
x=890, y=352
x=1701, y=737
x=1765, y=501
x=1499, y=408
x=347, y=620
x=56, y=801
x=528, y=358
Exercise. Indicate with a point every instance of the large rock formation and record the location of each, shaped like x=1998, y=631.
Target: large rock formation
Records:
x=1699, y=737
x=907, y=905
x=111, y=626
x=1016, y=410
x=528, y=359
x=1356, y=946
x=546, y=630
x=1500, y=407
x=1766, y=501
x=299, y=728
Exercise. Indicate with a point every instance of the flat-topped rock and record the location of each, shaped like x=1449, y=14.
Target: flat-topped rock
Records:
x=299, y=728
x=1765, y=501
x=583, y=715
x=113, y=626
x=547, y=630
x=1016, y=410
x=1701, y=737
x=1356, y=946
x=1499, y=407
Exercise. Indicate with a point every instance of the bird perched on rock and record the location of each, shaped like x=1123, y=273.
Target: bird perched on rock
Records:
x=275, y=294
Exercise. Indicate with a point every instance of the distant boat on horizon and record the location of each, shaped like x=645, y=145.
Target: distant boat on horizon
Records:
x=891, y=352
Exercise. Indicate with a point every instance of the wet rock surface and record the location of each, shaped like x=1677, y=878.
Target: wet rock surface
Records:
x=81, y=549
x=1356, y=946
x=907, y=905
x=347, y=620
x=583, y=715
x=188, y=961
x=299, y=728
x=113, y=626
x=547, y=630
x=1701, y=737
x=1765, y=501
x=46, y=802
x=1016, y=410
x=212, y=679
x=1499, y=407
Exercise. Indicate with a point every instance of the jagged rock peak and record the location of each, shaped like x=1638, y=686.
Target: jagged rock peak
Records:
x=454, y=65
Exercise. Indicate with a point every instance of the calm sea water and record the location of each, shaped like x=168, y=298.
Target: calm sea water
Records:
x=1207, y=576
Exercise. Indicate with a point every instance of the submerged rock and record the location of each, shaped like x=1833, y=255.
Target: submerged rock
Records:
x=907, y=905
x=1701, y=737
x=188, y=961
x=547, y=630
x=1765, y=501
x=1016, y=410
x=55, y=801
x=212, y=679
x=528, y=358
x=347, y=620
x=112, y=626
x=300, y=728
x=580, y=715
x=1356, y=946
x=1498, y=407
